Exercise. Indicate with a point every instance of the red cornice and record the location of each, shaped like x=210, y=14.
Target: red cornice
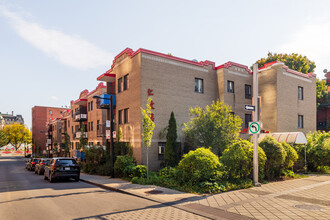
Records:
x=229, y=64
x=132, y=53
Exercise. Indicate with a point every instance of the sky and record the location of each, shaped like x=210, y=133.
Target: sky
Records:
x=50, y=51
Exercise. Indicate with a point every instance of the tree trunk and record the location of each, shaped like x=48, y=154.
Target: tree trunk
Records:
x=147, y=162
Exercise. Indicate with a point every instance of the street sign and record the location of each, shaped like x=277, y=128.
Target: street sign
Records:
x=114, y=134
x=107, y=134
x=254, y=128
x=250, y=107
x=107, y=122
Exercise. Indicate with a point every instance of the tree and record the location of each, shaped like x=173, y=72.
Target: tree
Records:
x=17, y=135
x=148, y=126
x=215, y=127
x=293, y=61
x=171, y=151
x=321, y=91
x=67, y=144
x=82, y=140
x=3, y=139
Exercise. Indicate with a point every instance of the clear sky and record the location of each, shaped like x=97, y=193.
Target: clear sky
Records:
x=52, y=50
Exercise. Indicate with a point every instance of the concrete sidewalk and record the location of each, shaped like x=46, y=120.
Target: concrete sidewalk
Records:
x=306, y=198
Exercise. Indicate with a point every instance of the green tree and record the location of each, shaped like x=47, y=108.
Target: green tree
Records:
x=148, y=127
x=17, y=135
x=321, y=91
x=3, y=139
x=318, y=150
x=215, y=127
x=67, y=144
x=83, y=141
x=294, y=61
x=171, y=151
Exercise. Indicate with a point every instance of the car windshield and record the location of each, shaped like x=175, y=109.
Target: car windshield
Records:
x=66, y=162
x=35, y=160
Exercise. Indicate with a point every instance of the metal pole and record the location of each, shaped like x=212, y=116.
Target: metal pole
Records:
x=112, y=151
x=255, y=119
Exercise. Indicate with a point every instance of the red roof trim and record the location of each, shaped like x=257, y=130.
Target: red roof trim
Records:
x=78, y=100
x=132, y=53
x=106, y=74
x=229, y=64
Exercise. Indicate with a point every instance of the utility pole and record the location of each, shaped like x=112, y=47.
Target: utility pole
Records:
x=255, y=119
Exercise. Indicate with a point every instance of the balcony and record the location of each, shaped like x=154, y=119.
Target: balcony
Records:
x=80, y=116
x=79, y=133
x=100, y=130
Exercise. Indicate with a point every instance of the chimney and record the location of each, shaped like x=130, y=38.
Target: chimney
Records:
x=12, y=113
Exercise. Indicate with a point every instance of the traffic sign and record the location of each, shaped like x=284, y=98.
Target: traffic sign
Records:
x=254, y=128
x=250, y=107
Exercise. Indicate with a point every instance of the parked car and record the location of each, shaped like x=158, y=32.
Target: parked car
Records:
x=40, y=166
x=62, y=167
x=27, y=163
x=31, y=165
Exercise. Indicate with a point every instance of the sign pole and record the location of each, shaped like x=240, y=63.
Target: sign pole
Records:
x=255, y=119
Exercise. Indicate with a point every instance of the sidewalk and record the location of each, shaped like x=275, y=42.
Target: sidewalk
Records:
x=306, y=198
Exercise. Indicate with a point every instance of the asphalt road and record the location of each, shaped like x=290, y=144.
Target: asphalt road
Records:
x=25, y=195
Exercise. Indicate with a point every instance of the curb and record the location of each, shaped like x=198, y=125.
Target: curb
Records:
x=172, y=204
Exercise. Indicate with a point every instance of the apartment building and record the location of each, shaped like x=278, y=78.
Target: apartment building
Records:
x=286, y=97
x=41, y=115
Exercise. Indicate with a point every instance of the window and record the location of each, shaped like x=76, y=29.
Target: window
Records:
x=248, y=118
x=91, y=105
x=126, y=82
x=120, y=112
x=50, y=112
x=98, y=125
x=199, y=85
x=248, y=92
x=300, y=121
x=92, y=126
x=126, y=116
x=230, y=86
x=300, y=93
x=161, y=150
x=68, y=123
x=120, y=80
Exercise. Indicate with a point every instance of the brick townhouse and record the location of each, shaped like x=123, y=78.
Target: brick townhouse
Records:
x=287, y=98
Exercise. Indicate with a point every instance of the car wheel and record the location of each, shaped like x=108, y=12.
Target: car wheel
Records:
x=45, y=177
x=77, y=179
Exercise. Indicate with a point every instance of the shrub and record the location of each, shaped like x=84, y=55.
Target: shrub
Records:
x=198, y=166
x=103, y=170
x=167, y=172
x=318, y=150
x=291, y=155
x=212, y=187
x=124, y=165
x=238, y=160
x=139, y=171
x=275, y=156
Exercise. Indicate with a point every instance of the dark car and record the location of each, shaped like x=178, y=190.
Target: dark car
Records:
x=27, y=163
x=62, y=168
x=31, y=165
x=40, y=166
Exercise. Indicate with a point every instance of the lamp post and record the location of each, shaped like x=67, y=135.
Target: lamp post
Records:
x=109, y=116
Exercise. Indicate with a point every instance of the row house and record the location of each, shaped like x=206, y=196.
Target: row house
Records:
x=286, y=97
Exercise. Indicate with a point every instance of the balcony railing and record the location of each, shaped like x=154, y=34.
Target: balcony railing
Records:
x=100, y=130
x=79, y=133
x=79, y=116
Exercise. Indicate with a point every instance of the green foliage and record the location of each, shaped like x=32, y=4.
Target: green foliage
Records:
x=294, y=61
x=213, y=127
x=275, y=156
x=95, y=161
x=124, y=165
x=167, y=172
x=321, y=92
x=148, y=127
x=291, y=155
x=83, y=141
x=198, y=166
x=17, y=134
x=212, y=187
x=140, y=171
x=67, y=143
x=238, y=160
x=288, y=173
x=171, y=148
x=318, y=150
x=3, y=139
x=123, y=148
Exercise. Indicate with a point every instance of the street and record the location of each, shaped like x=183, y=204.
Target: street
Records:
x=25, y=195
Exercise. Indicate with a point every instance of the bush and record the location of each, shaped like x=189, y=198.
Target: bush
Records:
x=275, y=156
x=167, y=172
x=124, y=165
x=212, y=187
x=291, y=155
x=139, y=171
x=238, y=160
x=103, y=170
x=318, y=150
x=198, y=166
